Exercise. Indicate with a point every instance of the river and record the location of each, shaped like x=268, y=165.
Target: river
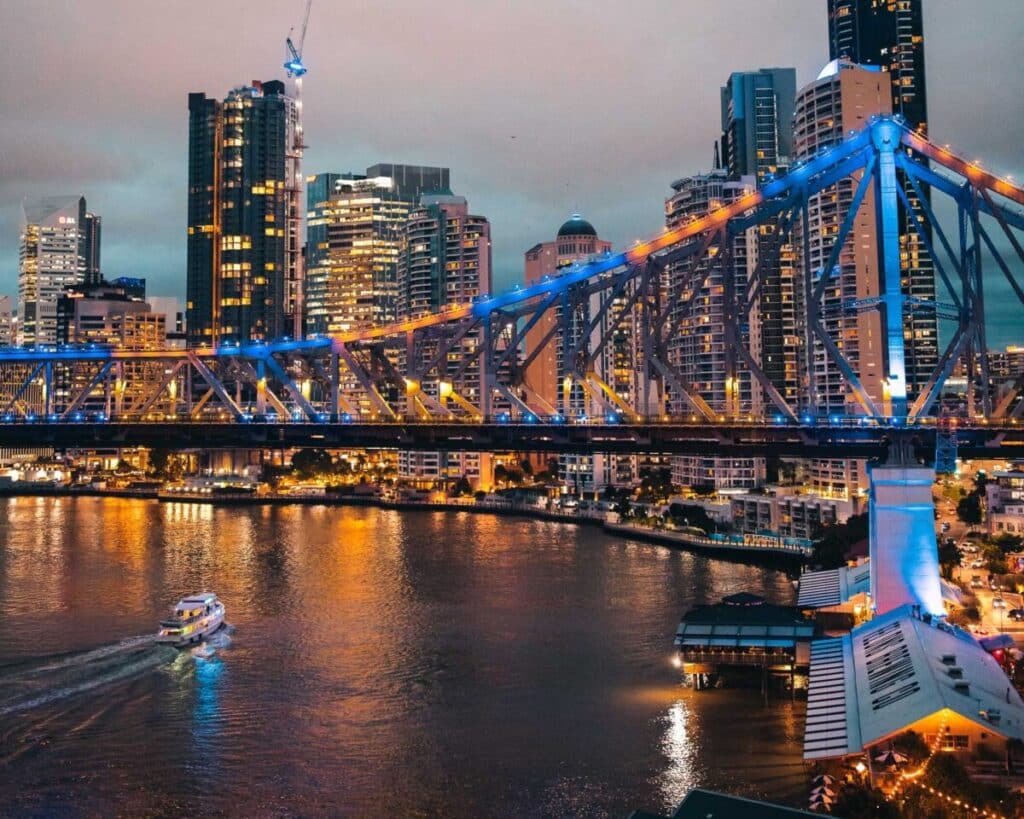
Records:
x=377, y=663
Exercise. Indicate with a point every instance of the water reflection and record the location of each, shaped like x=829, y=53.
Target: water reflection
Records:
x=681, y=745
x=416, y=663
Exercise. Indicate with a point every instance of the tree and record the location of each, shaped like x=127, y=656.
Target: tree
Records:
x=969, y=509
x=463, y=487
x=624, y=508
x=836, y=539
x=686, y=514
x=863, y=802
x=526, y=467
x=309, y=462
x=159, y=459
x=949, y=558
x=500, y=474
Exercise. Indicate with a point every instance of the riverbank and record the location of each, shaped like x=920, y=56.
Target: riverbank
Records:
x=747, y=549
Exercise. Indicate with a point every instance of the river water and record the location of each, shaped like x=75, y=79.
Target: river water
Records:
x=376, y=663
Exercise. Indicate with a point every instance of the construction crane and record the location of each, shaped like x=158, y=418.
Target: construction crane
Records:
x=294, y=273
x=293, y=59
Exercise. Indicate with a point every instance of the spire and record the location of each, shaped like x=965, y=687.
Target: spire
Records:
x=718, y=158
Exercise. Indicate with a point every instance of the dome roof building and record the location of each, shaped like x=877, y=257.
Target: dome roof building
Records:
x=576, y=226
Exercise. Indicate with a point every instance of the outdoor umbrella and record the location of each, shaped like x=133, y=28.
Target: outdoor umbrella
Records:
x=824, y=779
x=891, y=757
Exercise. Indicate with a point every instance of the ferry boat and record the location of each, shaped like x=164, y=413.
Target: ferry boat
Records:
x=195, y=617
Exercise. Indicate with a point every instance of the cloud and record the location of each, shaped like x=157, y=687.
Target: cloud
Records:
x=608, y=103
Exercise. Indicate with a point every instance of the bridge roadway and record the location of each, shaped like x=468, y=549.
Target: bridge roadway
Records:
x=992, y=440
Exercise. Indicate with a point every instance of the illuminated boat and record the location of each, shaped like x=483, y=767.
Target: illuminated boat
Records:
x=195, y=617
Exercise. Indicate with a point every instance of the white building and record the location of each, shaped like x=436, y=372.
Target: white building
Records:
x=59, y=248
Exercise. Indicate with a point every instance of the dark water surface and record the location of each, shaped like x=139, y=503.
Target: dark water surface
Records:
x=378, y=663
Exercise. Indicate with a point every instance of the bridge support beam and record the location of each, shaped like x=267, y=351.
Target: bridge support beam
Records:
x=904, y=554
x=887, y=141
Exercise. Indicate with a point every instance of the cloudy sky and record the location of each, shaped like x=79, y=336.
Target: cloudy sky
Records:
x=537, y=106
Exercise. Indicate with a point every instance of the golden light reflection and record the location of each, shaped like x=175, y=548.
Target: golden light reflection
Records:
x=680, y=746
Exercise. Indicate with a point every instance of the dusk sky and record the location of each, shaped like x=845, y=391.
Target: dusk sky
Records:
x=538, y=108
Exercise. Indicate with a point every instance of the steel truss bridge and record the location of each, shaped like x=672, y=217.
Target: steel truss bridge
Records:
x=456, y=379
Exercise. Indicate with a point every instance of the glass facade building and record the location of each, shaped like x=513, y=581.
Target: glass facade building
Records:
x=58, y=248
x=757, y=142
x=889, y=34
x=243, y=208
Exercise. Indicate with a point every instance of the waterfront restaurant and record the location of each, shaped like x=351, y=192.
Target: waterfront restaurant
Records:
x=907, y=671
x=743, y=632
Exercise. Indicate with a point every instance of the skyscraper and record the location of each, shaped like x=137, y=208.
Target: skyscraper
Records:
x=244, y=265
x=757, y=141
x=698, y=349
x=353, y=240
x=374, y=204
x=91, y=234
x=842, y=99
x=890, y=34
x=413, y=181
x=445, y=260
x=58, y=243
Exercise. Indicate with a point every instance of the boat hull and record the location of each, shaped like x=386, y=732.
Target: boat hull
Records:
x=196, y=632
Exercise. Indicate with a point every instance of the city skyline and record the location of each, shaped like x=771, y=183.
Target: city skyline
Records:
x=551, y=147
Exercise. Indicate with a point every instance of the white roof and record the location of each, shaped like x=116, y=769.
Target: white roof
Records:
x=198, y=599
x=896, y=670
x=833, y=586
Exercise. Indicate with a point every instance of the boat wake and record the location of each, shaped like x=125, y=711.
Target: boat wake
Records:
x=44, y=680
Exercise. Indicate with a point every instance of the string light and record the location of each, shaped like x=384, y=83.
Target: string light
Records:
x=909, y=778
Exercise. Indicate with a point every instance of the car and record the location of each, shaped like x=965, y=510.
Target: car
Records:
x=1016, y=614
x=998, y=603
x=978, y=563
x=945, y=526
x=976, y=582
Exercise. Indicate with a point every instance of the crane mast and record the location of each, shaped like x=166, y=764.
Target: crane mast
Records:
x=294, y=273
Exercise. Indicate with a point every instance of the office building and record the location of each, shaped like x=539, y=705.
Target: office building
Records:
x=110, y=314
x=890, y=35
x=59, y=241
x=7, y=321
x=319, y=189
x=173, y=311
x=354, y=227
x=357, y=233
x=244, y=211
x=92, y=226
x=757, y=142
x=445, y=261
x=413, y=181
